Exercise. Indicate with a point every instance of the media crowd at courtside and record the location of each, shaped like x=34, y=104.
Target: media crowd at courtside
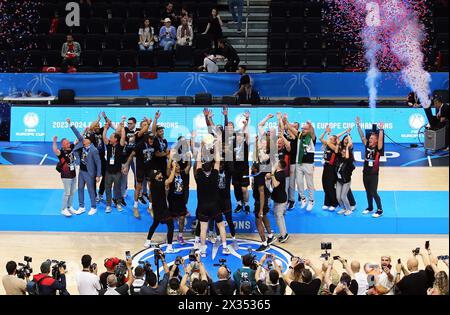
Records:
x=254, y=277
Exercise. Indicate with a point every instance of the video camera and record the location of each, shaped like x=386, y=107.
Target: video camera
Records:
x=326, y=246
x=178, y=261
x=55, y=269
x=25, y=271
x=255, y=262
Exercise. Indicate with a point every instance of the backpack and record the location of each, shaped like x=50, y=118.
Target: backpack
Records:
x=33, y=287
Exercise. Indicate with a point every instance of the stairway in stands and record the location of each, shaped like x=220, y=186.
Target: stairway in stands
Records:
x=256, y=58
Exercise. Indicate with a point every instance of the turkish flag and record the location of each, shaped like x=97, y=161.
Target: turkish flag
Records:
x=128, y=81
x=148, y=75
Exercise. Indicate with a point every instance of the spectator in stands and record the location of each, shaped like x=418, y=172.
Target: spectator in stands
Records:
x=304, y=283
x=230, y=54
x=87, y=280
x=169, y=13
x=360, y=277
x=224, y=286
x=214, y=28
x=70, y=53
x=146, y=37
x=347, y=284
x=167, y=35
x=185, y=34
x=414, y=281
x=209, y=63
x=185, y=13
x=12, y=284
x=239, y=5
x=247, y=94
x=275, y=284
x=385, y=283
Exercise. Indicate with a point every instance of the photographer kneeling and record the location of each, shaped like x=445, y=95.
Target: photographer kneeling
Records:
x=47, y=285
x=275, y=285
x=12, y=282
x=111, y=280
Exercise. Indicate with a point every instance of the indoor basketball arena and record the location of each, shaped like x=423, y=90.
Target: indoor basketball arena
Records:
x=224, y=147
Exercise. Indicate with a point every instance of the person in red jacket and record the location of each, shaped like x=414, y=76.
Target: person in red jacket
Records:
x=48, y=285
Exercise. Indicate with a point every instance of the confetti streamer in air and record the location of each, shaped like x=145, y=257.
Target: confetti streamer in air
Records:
x=384, y=35
x=17, y=22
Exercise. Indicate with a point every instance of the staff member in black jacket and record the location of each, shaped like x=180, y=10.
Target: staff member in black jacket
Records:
x=230, y=55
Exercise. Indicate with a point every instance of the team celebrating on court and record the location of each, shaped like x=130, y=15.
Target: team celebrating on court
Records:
x=283, y=161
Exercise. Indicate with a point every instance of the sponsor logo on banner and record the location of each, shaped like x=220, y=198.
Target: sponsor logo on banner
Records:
x=416, y=121
x=31, y=120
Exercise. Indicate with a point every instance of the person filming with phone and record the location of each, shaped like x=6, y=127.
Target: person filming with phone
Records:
x=307, y=284
x=414, y=281
x=275, y=284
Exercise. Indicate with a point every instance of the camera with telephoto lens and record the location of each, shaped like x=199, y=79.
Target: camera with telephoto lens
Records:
x=145, y=265
x=120, y=270
x=192, y=255
x=25, y=271
x=159, y=255
x=222, y=263
x=55, y=269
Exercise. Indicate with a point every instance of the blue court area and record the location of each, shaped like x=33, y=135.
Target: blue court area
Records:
x=405, y=212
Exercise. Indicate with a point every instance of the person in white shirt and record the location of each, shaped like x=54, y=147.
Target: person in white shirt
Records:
x=360, y=277
x=386, y=279
x=87, y=280
x=210, y=64
x=146, y=37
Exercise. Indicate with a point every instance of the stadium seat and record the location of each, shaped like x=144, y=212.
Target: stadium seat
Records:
x=313, y=61
x=89, y=60
x=296, y=25
x=313, y=41
x=294, y=60
x=47, y=11
x=118, y=10
x=93, y=42
x=115, y=25
x=183, y=56
x=440, y=25
x=127, y=58
x=96, y=26
x=146, y=59
x=36, y=58
x=202, y=42
x=333, y=62
x=203, y=99
x=277, y=41
x=136, y=10
x=62, y=27
x=164, y=59
x=313, y=25
x=313, y=9
x=53, y=58
x=56, y=41
x=83, y=28
x=152, y=10
x=204, y=9
x=41, y=41
x=200, y=24
x=42, y=26
x=99, y=10
x=276, y=61
x=296, y=9
x=132, y=25
x=278, y=9
x=277, y=25
x=185, y=100
x=295, y=42
x=130, y=41
x=229, y=100
x=109, y=60
x=112, y=41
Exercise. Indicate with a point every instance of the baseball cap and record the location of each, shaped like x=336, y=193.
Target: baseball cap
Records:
x=167, y=20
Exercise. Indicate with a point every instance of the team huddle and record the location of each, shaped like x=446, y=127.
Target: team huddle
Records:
x=283, y=160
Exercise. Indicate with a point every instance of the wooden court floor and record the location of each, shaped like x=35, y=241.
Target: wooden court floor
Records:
x=71, y=246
